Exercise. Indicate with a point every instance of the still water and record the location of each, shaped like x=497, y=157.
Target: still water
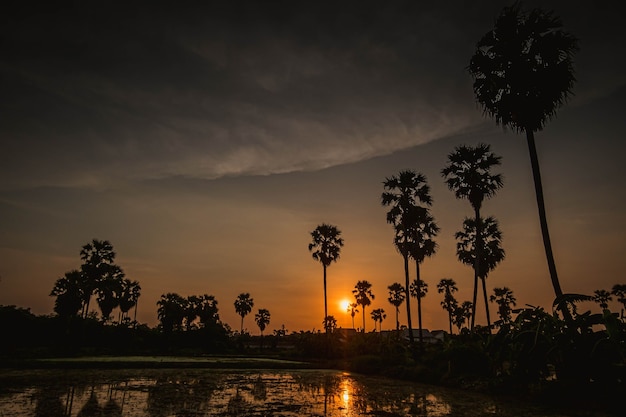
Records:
x=209, y=392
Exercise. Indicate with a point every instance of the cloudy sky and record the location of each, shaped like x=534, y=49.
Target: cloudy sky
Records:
x=207, y=141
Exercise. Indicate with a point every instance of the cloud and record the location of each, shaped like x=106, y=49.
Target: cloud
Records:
x=94, y=96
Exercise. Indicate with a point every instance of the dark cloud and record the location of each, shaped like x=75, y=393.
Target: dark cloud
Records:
x=95, y=92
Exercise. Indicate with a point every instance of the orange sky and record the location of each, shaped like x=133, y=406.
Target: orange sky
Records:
x=206, y=160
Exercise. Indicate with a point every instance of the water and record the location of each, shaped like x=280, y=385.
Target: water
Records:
x=210, y=392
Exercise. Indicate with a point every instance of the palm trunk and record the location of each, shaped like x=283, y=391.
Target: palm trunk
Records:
x=534, y=162
x=397, y=321
x=419, y=301
x=325, y=303
x=477, y=248
x=363, y=318
x=450, y=320
x=241, y=324
x=486, y=303
x=408, y=298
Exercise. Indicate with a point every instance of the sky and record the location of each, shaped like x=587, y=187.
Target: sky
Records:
x=206, y=142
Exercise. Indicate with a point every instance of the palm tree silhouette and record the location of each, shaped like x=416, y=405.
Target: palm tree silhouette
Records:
x=109, y=290
x=491, y=253
x=505, y=299
x=97, y=257
x=207, y=310
x=396, y=298
x=468, y=174
x=129, y=296
x=171, y=311
x=326, y=247
x=243, y=306
x=412, y=222
x=448, y=287
x=68, y=293
x=418, y=290
x=619, y=290
x=352, y=309
x=262, y=319
x=363, y=294
x=330, y=323
x=378, y=315
x=523, y=72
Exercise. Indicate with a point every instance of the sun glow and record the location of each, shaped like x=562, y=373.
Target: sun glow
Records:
x=344, y=305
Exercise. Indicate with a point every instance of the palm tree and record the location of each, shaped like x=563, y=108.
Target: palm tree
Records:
x=131, y=290
x=378, y=315
x=422, y=233
x=207, y=310
x=363, y=294
x=619, y=290
x=523, y=72
x=326, y=246
x=243, y=306
x=468, y=174
x=330, y=323
x=262, y=319
x=404, y=194
x=505, y=299
x=602, y=297
x=68, y=293
x=171, y=311
x=352, y=309
x=448, y=287
x=491, y=253
x=109, y=290
x=396, y=298
x=462, y=314
x=97, y=257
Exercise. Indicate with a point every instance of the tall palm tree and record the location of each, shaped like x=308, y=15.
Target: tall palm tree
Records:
x=407, y=193
x=352, y=309
x=448, y=287
x=363, y=294
x=191, y=310
x=468, y=174
x=523, y=72
x=262, y=319
x=326, y=246
x=378, y=315
x=97, y=257
x=491, y=254
x=505, y=299
x=422, y=245
x=243, y=306
x=462, y=314
x=396, y=298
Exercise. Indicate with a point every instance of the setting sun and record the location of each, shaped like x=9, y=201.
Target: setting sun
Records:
x=344, y=304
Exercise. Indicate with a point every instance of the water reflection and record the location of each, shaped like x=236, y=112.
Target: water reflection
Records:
x=178, y=393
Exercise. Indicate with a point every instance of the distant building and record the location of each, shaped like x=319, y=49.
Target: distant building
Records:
x=436, y=336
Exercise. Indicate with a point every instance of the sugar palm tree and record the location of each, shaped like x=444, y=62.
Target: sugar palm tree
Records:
x=129, y=296
x=396, y=298
x=109, y=290
x=330, y=324
x=68, y=293
x=191, y=310
x=418, y=290
x=468, y=174
x=171, y=311
x=378, y=315
x=243, y=306
x=352, y=309
x=408, y=196
x=363, y=294
x=262, y=319
x=619, y=290
x=505, y=299
x=448, y=287
x=98, y=257
x=207, y=310
x=326, y=246
x=491, y=253
x=523, y=72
